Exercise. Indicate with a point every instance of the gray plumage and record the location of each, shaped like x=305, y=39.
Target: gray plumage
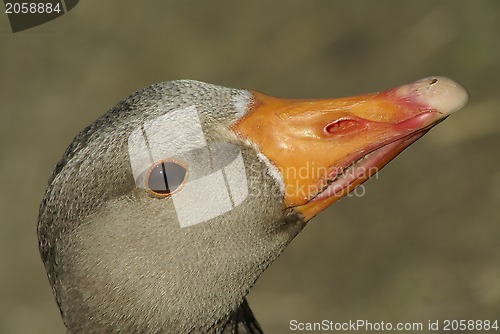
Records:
x=116, y=258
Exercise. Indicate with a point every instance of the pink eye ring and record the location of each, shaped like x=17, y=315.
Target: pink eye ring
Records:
x=166, y=177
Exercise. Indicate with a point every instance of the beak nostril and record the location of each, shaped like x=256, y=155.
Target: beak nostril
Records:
x=344, y=124
x=433, y=81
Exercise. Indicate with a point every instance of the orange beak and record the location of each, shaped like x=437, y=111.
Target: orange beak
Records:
x=325, y=148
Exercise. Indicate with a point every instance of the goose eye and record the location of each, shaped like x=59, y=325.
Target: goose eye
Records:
x=165, y=178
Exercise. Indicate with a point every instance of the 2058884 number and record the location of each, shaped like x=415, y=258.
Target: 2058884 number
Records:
x=32, y=8
x=470, y=325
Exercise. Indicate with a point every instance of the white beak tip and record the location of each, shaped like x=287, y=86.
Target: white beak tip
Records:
x=439, y=93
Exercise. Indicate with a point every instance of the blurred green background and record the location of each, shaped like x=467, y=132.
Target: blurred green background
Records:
x=422, y=243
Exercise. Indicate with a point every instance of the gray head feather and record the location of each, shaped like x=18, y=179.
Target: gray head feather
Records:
x=115, y=255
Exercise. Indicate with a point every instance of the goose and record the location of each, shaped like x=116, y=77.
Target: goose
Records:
x=163, y=213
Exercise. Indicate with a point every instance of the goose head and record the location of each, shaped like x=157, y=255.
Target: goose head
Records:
x=163, y=213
